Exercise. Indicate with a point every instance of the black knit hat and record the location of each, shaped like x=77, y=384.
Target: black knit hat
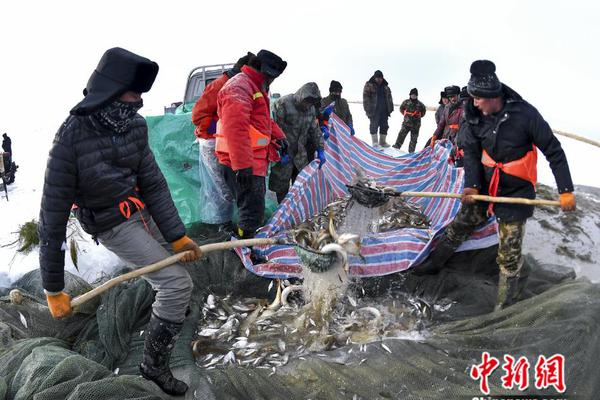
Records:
x=270, y=63
x=118, y=71
x=484, y=82
x=413, y=91
x=335, y=86
x=463, y=93
x=378, y=74
x=452, y=90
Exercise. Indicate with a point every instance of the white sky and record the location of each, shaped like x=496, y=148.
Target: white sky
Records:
x=546, y=50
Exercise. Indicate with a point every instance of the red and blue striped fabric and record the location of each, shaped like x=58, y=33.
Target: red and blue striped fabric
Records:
x=381, y=253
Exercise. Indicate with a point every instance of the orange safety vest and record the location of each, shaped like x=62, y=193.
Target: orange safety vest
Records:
x=524, y=168
x=258, y=140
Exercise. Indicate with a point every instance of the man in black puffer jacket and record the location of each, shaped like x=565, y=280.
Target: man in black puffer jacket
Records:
x=500, y=136
x=100, y=162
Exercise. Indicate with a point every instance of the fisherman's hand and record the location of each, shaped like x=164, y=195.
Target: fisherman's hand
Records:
x=321, y=157
x=351, y=130
x=243, y=177
x=328, y=110
x=285, y=159
x=59, y=304
x=185, y=244
x=466, y=195
x=567, y=201
x=325, y=131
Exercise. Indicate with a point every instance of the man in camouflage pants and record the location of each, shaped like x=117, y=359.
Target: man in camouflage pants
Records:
x=502, y=133
x=413, y=110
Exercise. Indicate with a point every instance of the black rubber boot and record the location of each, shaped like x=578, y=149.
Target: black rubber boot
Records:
x=437, y=258
x=160, y=339
x=508, y=291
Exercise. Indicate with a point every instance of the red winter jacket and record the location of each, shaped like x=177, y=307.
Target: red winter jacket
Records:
x=204, y=113
x=242, y=103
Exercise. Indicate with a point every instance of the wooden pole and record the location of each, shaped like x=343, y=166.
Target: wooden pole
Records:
x=207, y=248
x=480, y=197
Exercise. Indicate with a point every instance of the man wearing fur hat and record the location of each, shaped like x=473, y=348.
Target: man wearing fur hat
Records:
x=440, y=110
x=101, y=162
x=341, y=108
x=502, y=133
x=413, y=110
x=378, y=104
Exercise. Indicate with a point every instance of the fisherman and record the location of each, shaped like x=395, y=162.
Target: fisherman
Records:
x=204, y=117
x=456, y=157
x=440, y=110
x=502, y=133
x=449, y=123
x=341, y=108
x=413, y=110
x=296, y=115
x=7, y=147
x=247, y=138
x=378, y=104
x=101, y=162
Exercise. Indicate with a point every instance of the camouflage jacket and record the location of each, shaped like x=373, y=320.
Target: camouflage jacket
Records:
x=413, y=111
x=341, y=109
x=370, y=97
x=300, y=126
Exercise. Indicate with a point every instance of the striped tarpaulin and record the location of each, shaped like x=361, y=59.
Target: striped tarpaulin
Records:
x=381, y=253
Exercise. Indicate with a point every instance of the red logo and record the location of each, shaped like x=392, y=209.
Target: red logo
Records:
x=550, y=372
x=484, y=370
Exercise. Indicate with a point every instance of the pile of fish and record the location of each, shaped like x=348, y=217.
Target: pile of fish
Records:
x=248, y=332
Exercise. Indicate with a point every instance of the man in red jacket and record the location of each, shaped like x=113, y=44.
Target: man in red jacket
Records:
x=247, y=137
x=215, y=195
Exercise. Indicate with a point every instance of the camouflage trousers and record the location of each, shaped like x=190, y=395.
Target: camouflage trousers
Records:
x=414, y=135
x=510, y=236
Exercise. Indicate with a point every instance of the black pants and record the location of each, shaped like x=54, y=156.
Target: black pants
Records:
x=380, y=122
x=250, y=201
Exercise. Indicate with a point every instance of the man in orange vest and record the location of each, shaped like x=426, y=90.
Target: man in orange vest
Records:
x=502, y=133
x=413, y=110
x=247, y=138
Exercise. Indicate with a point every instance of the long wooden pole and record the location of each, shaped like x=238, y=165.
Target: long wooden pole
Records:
x=481, y=197
x=79, y=300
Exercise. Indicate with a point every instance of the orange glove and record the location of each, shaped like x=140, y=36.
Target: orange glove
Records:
x=466, y=195
x=59, y=304
x=567, y=201
x=187, y=244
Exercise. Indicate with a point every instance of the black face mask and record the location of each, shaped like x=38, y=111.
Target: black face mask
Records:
x=336, y=96
x=118, y=115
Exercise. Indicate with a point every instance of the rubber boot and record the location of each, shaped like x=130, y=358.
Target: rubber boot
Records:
x=508, y=291
x=437, y=258
x=160, y=339
x=382, y=141
x=374, y=142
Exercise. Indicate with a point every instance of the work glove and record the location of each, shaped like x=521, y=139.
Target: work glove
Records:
x=184, y=244
x=321, y=157
x=328, y=110
x=351, y=129
x=284, y=159
x=59, y=304
x=243, y=177
x=325, y=131
x=567, y=201
x=466, y=198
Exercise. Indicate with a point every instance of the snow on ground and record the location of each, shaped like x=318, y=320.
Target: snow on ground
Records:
x=31, y=152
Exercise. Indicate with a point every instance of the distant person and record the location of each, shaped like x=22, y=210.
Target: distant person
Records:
x=7, y=147
x=440, y=110
x=296, y=115
x=502, y=133
x=205, y=117
x=341, y=108
x=448, y=126
x=101, y=161
x=413, y=110
x=378, y=104
x=457, y=154
x=247, y=138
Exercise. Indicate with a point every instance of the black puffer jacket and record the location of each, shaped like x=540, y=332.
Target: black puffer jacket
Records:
x=508, y=136
x=97, y=169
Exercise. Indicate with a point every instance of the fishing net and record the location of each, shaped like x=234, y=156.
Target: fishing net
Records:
x=94, y=354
